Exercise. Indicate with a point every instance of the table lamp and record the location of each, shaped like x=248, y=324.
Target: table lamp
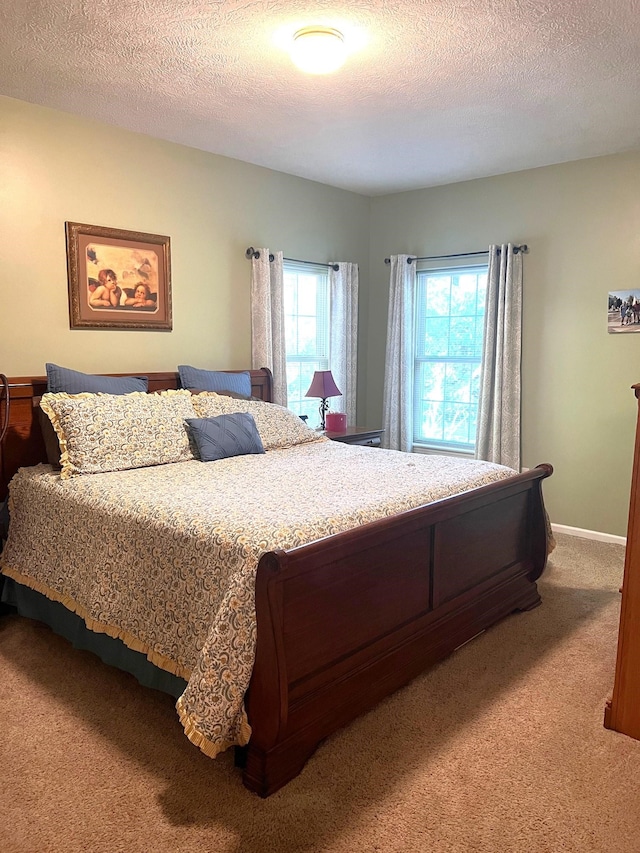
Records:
x=323, y=385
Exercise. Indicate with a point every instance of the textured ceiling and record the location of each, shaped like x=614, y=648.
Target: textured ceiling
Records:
x=438, y=91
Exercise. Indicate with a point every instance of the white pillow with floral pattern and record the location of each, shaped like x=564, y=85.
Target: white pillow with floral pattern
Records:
x=278, y=427
x=114, y=432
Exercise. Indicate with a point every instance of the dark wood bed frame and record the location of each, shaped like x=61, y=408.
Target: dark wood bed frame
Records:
x=345, y=621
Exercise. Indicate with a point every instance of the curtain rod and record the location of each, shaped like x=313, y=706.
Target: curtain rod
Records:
x=253, y=253
x=524, y=248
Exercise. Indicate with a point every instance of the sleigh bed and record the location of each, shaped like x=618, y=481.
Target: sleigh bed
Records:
x=361, y=598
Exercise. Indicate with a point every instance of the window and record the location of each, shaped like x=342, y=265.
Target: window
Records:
x=306, y=323
x=449, y=322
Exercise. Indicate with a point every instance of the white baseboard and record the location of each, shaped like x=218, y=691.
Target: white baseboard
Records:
x=589, y=534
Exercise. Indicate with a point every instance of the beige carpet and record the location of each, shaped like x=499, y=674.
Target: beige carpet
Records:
x=499, y=748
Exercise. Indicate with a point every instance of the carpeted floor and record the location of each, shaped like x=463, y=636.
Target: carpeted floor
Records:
x=500, y=749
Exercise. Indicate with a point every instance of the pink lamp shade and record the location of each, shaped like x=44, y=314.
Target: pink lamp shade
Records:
x=323, y=385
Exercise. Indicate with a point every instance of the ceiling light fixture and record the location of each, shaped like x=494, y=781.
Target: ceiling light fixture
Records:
x=318, y=50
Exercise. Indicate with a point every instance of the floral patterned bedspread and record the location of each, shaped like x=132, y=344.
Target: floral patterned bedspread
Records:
x=165, y=557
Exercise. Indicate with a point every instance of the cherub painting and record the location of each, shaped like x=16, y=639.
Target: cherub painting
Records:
x=118, y=279
x=131, y=268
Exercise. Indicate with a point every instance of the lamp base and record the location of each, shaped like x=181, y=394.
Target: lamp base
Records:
x=324, y=407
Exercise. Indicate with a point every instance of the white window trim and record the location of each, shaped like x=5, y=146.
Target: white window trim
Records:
x=323, y=361
x=438, y=266
x=431, y=451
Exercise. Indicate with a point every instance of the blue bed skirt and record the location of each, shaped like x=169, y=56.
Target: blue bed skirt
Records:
x=69, y=625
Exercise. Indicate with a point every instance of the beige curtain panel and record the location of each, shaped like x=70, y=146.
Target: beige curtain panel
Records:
x=498, y=435
x=267, y=320
x=343, y=357
x=397, y=417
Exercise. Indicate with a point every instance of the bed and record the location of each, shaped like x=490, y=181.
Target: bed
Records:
x=340, y=604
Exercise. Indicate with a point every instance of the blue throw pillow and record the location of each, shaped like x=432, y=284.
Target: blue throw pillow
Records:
x=225, y=435
x=214, y=380
x=62, y=380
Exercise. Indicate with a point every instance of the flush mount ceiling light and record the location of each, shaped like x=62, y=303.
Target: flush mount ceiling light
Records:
x=318, y=50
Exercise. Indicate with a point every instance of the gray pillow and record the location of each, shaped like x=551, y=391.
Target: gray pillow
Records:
x=225, y=435
x=62, y=380
x=214, y=380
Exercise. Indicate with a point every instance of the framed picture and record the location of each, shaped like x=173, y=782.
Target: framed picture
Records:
x=118, y=279
x=624, y=312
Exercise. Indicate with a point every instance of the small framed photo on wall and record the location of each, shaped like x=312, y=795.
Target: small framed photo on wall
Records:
x=118, y=279
x=624, y=311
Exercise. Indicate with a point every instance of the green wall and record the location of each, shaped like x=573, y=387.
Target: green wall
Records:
x=581, y=221
x=55, y=167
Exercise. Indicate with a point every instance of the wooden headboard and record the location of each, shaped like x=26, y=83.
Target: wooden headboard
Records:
x=23, y=443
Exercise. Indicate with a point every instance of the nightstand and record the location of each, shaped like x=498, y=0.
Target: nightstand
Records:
x=357, y=435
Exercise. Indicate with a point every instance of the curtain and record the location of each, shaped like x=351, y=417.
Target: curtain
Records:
x=398, y=378
x=498, y=433
x=343, y=357
x=267, y=320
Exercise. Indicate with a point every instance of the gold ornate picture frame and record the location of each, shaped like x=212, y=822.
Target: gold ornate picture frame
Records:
x=118, y=279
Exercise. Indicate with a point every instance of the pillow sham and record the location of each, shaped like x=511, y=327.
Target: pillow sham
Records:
x=115, y=432
x=62, y=380
x=215, y=380
x=278, y=427
x=65, y=380
x=226, y=393
x=225, y=435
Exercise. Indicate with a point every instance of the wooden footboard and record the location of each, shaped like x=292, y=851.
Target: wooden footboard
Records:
x=345, y=621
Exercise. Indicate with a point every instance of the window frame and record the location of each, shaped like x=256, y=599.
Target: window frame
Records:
x=423, y=269
x=320, y=359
